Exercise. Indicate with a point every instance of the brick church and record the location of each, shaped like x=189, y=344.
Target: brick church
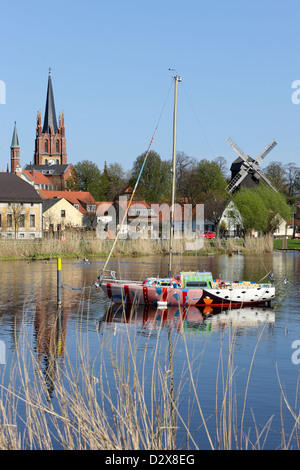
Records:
x=50, y=141
x=50, y=154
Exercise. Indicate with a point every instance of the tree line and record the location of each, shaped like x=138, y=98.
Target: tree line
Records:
x=197, y=181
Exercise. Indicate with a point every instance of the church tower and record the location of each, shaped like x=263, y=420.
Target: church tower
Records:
x=14, y=151
x=50, y=141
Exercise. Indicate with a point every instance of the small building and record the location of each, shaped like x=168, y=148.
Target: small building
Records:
x=231, y=222
x=59, y=215
x=20, y=208
x=83, y=201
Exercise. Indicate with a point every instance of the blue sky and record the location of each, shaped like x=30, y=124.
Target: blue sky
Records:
x=110, y=65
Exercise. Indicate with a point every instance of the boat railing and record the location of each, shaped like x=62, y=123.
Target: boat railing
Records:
x=120, y=281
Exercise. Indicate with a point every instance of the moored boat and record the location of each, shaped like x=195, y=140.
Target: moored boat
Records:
x=189, y=288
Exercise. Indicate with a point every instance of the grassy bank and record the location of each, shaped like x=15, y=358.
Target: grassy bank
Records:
x=90, y=246
x=291, y=244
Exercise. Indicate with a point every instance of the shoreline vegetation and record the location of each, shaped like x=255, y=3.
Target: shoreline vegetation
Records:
x=74, y=246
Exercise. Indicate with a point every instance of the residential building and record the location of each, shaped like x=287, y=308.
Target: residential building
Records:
x=81, y=200
x=231, y=221
x=59, y=215
x=56, y=174
x=20, y=208
x=37, y=179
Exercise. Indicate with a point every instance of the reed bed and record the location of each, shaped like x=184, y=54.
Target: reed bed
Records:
x=89, y=245
x=128, y=400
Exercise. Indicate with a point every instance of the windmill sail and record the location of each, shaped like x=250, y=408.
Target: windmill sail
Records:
x=236, y=181
x=261, y=175
x=265, y=151
x=239, y=151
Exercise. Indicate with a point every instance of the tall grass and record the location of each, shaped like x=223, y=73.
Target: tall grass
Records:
x=89, y=245
x=128, y=400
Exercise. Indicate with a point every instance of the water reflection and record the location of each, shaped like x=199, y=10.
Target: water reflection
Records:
x=50, y=342
x=28, y=312
x=187, y=319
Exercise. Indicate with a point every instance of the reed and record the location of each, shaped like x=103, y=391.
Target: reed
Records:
x=126, y=400
x=262, y=244
x=89, y=245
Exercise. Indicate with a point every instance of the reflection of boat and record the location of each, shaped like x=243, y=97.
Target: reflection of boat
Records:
x=187, y=318
x=187, y=288
x=243, y=316
x=149, y=315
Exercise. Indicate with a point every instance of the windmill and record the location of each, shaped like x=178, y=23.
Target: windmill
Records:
x=248, y=166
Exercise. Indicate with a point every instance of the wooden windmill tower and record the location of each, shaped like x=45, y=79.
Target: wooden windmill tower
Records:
x=246, y=168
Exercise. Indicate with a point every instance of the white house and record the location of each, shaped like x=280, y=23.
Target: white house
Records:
x=231, y=220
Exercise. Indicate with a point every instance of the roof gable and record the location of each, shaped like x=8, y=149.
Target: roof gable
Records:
x=82, y=198
x=15, y=189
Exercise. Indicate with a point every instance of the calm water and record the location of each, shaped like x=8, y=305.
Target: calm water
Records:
x=28, y=292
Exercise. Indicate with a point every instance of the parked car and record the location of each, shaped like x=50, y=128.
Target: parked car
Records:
x=209, y=234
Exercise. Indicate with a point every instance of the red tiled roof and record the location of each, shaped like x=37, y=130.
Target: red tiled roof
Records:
x=37, y=177
x=74, y=197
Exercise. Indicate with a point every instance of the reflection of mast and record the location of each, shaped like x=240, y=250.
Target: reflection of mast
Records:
x=50, y=342
x=55, y=349
x=172, y=404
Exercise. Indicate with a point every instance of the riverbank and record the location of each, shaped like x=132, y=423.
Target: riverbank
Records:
x=90, y=246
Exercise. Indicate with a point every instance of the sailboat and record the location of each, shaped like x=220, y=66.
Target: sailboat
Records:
x=192, y=288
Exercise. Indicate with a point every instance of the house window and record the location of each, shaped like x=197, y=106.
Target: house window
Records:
x=32, y=220
x=63, y=213
x=76, y=206
x=57, y=146
x=46, y=146
x=9, y=220
x=22, y=220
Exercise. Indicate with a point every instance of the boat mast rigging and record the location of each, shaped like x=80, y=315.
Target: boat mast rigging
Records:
x=176, y=80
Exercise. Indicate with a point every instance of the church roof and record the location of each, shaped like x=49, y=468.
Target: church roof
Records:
x=15, y=139
x=50, y=114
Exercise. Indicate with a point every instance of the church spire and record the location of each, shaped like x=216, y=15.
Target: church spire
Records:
x=15, y=138
x=50, y=115
x=14, y=151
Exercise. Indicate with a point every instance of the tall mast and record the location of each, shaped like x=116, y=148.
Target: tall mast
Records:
x=176, y=80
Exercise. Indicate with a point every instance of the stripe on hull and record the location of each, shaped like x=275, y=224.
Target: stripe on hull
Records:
x=151, y=294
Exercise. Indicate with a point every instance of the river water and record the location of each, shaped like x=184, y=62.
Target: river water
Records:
x=268, y=336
